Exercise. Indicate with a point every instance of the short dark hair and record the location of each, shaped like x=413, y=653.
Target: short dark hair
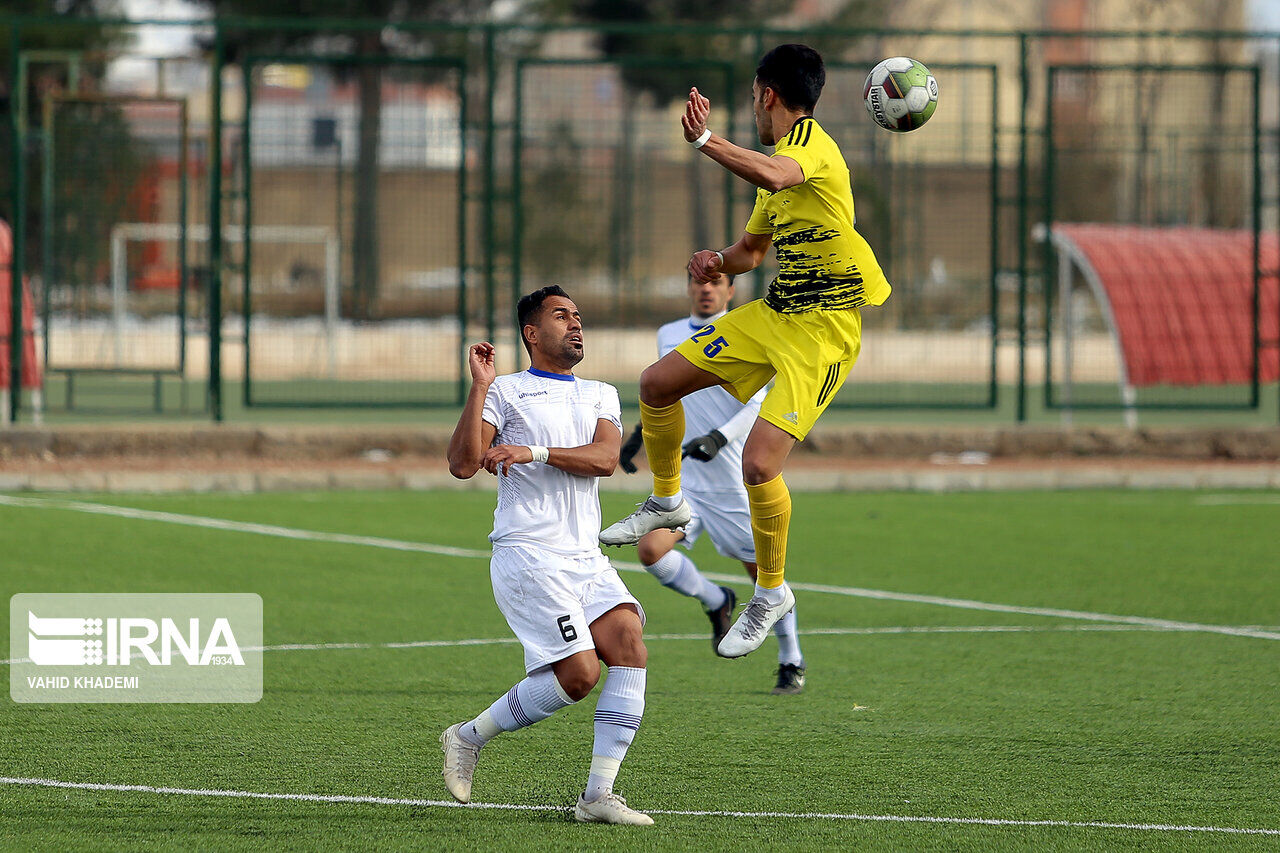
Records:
x=796, y=73
x=529, y=308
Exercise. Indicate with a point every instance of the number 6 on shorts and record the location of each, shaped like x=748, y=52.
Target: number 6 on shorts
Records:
x=567, y=630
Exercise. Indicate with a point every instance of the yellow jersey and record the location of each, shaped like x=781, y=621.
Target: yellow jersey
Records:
x=823, y=263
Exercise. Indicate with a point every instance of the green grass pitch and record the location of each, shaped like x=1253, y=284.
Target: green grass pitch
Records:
x=1066, y=720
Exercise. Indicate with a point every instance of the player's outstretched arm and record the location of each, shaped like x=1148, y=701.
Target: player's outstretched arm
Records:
x=743, y=256
x=769, y=173
x=473, y=435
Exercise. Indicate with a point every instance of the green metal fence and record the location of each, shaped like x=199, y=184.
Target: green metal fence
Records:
x=609, y=200
x=929, y=206
x=352, y=231
x=114, y=254
x=1153, y=146
x=509, y=156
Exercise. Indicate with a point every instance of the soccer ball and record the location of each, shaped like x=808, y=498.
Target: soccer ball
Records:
x=900, y=94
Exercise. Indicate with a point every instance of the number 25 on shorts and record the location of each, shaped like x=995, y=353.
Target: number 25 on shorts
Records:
x=712, y=349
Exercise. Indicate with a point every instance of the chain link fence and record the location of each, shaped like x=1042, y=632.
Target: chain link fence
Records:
x=324, y=213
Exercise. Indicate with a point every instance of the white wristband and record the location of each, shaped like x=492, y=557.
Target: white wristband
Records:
x=701, y=140
x=721, y=257
x=540, y=454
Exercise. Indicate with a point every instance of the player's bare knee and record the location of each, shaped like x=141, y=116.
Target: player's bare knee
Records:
x=631, y=651
x=650, y=550
x=656, y=388
x=756, y=470
x=578, y=676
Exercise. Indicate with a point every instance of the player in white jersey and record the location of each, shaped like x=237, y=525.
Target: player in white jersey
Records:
x=548, y=435
x=716, y=428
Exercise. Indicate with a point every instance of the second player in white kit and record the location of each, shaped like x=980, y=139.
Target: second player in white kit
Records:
x=549, y=435
x=716, y=428
x=549, y=577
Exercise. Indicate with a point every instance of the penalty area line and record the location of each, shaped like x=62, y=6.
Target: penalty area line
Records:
x=447, y=551
x=855, y=817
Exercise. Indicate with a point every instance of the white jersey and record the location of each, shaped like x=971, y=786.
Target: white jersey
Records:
x=711, y=409
x=540, y=505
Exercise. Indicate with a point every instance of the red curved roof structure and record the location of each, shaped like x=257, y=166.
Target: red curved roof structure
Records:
x=1181, y=299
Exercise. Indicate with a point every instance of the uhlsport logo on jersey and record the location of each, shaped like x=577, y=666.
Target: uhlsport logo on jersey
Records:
x=136, y=647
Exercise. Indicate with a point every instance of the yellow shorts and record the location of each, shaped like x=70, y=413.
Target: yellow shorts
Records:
x=810, y=354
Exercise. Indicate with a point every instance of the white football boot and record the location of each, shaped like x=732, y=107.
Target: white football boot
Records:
x=609, y=809
x=754, y=623
x=649, y=517
x=460, y=757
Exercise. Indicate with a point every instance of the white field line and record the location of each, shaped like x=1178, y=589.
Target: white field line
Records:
x=807, y=632
x=1238, y=500
x=400, y=545
x=395, y=801
x=239, y=526
x=892, y=630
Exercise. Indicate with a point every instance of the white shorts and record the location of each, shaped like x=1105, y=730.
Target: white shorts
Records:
x=726, y=517
x=550, y=600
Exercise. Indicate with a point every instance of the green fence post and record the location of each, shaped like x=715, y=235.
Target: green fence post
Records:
x=463, y=372
x=517, y=213
x=1025, y=83
x=1048, y=166
x=18, y=232
x=246, y=228
x=49, y=144
x=757, y=275
x=730, y=180
x=214, y=310
x=184, y=167
x=993, y=390
x=490, y=146
x=1255, y=391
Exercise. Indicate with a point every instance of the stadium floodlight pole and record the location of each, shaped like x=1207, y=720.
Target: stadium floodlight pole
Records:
x=214, y=310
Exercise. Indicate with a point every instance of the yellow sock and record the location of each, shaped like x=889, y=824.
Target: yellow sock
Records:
x=770, y=519
x=663, y=429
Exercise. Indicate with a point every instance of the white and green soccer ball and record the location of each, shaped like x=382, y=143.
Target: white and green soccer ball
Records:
x=900, y=94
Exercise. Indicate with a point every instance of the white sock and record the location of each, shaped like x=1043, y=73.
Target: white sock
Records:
x=618, y=716
x=676, y=571
x=773, y=596
x=532, y=700
x=788, y=640
x=669, y=502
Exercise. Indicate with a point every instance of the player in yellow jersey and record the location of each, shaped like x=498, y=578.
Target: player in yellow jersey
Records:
x=807, y=331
